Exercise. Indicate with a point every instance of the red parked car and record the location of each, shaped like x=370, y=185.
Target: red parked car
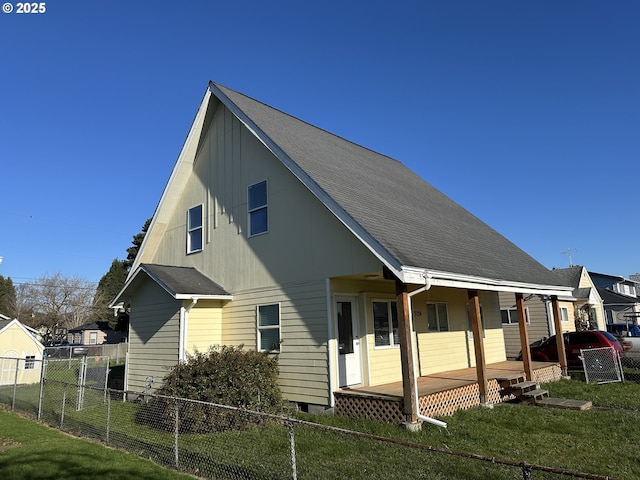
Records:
x=545, y=350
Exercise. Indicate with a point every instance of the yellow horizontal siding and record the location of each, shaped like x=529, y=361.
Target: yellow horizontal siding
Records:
x=442, y=351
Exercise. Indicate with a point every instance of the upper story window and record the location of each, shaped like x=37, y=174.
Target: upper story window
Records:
x=194, y=229
x=258, y=220
x=269, y=327
x=510, y=315
x=437, y=317
x=385, y=324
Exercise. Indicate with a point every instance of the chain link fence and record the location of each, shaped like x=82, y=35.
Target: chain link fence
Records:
x=222, y=442
x=601, y=365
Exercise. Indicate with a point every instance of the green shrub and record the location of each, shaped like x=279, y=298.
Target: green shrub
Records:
x=227, y=376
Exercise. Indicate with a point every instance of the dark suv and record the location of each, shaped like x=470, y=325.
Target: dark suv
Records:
x=545, y=350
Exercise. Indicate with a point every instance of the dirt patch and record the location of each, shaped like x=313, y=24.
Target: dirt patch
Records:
x=7, y=443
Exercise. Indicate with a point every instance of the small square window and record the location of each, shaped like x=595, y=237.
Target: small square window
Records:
x=29, y=362
x=258, y=219
x=194, y=229
x=269, y=328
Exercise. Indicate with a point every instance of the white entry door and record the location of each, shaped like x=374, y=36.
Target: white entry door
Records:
x=349, y=364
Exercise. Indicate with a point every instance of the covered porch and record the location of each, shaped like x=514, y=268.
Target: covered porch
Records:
x=438, y=394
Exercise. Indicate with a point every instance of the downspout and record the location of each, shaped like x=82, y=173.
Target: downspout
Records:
x=427, y=286
x=184, y=316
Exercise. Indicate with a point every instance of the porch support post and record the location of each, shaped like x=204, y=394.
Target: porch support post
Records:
x=478, y=344
x=406, y=353
x=557, y=322
x=524, y=336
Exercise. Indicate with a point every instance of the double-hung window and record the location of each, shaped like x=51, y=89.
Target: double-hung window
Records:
x=257, y=201
x=194, y=229
x=510, y=315
x=385, y=324
x=437, y=317
x=269, y=327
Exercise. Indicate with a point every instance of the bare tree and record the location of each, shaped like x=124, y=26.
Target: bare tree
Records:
x=55, y=301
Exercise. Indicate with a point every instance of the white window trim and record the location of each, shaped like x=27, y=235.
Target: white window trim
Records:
x=566, y=316
x=513, y=319
x=191, y=230
x=392, y=344
x=252, y=210
x=438, y=317
x=259, y=329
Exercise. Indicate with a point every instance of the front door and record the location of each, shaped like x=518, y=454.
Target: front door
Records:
x=349, y=365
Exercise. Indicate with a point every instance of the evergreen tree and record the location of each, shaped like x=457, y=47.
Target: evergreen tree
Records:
x=108, y=287
x=132, y=252
x=7, y=297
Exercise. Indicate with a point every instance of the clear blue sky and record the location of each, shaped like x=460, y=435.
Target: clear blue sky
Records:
x=526, y=113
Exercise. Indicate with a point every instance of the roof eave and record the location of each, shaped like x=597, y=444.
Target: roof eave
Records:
x=421, y=276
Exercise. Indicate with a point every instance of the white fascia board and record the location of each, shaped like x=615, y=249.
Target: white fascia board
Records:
x=178, y=178
x=354, y=227
x=468, y=282
x=191, y=296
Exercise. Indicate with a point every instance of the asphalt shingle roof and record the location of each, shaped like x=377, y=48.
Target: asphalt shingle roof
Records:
x=183, y=280
x=417, y=224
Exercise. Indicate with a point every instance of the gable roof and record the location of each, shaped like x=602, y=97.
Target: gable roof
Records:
x=609, y=297
x=182, y=283
x=420, y=234
x=5, y=323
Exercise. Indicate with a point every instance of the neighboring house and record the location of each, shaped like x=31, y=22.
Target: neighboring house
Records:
x=17, y=341
x=589, y=305
x=620, y=297
x=277, y=235
x=539, y=317
x=95, y=333
x=583, y=309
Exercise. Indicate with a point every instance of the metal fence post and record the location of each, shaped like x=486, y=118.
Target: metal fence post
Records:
x=176, y=433
x=292, y=443
x=15, y=384
x=108, y=415
x=64, y=401
x=43, y=367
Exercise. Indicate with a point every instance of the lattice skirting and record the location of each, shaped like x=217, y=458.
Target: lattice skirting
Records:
x=437, y=404
x=552, y=373
x=387, y=410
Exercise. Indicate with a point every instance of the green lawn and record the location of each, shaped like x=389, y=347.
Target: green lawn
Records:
x=30, y=451
x=598, y=441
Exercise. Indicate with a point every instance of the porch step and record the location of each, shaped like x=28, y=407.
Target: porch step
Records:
x=524, y=386
x=536, y=395
x=565, y=403
x=518, y=389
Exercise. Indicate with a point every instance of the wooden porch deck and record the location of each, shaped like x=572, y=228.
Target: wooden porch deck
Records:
x=438, y=394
